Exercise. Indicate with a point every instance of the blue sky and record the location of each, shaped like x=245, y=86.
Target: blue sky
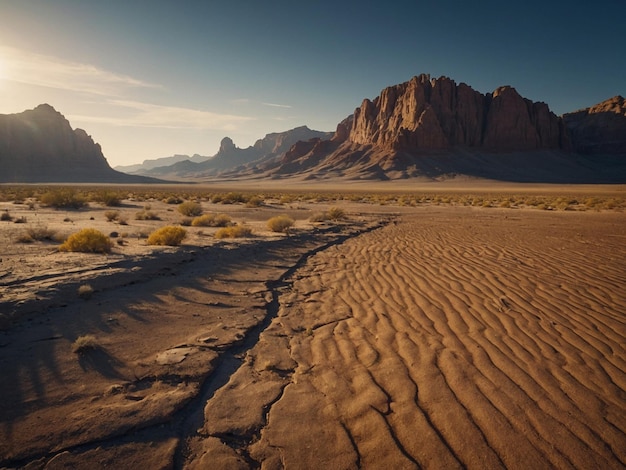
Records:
x=152, y=78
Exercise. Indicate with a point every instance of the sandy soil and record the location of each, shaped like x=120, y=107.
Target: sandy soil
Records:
x=441, y=337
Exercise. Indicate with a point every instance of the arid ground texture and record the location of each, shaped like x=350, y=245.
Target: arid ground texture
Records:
x=460, y=328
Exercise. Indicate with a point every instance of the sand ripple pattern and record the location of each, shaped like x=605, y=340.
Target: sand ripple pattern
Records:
x=444, y=341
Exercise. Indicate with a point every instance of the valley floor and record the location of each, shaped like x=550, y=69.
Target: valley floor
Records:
x=431, y=337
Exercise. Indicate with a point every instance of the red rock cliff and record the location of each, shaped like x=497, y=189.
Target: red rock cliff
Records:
x=437, y=114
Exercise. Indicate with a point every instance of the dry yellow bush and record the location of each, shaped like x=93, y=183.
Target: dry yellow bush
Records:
x=190, y=209
x=236, y=231
x=87, y=240
x=170, y=235
x=280, y=223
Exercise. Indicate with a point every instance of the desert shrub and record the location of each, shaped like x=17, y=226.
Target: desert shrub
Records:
x=40, y=233
x=186, y=221
x=221, y=220
x=122, y=220
x=190, y=209
x=233, y=198
x=87, y=240
x=66, y=198
x=20, y=220
x=85, y=291
x=109, y=198
x=254, y=201
x=147, y=215
x=336, y=213
x=318, y=217
x=172, y=200
x=235, y=231
x=170, y=235
x=211, y=220
x=280, y=223
x=24, y=238
x=85, y=343
x=205, y=220
x=5, y=216
x=111, y=215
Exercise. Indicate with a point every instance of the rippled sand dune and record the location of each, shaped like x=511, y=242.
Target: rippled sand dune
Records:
x=452, y=338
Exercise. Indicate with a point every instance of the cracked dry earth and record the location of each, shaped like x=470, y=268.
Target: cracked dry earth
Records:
x=449, y=338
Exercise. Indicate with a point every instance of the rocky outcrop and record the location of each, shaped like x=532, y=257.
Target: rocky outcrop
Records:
x=434, y=128
x=426, y=114
x=39, y=145
x=600, y=129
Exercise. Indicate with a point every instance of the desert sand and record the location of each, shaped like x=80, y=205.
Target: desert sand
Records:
x=405, y=337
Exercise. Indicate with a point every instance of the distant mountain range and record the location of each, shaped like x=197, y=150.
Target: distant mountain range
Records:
x=147, y=165
x=424, y=128
x=39, y=145
x=229, y=159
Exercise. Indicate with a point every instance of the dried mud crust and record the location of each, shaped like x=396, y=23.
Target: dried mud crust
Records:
x=169, y=327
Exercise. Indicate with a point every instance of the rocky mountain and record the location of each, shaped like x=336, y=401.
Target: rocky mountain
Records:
x=230, y=158
x=147, y=165
x=39, y=145
x=600, y=129
x=435, y=128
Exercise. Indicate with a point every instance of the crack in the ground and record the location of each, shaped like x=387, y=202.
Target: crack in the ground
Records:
x=188, y=420
x=275, y=288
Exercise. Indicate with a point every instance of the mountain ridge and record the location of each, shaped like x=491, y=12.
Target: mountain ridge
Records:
x=230, y=157
x=426, y=127
x=39, y=145
x=434, y=128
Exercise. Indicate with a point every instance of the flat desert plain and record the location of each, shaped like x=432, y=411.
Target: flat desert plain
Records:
x=424, y=333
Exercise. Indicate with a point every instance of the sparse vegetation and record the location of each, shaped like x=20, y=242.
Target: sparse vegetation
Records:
x=190, y=209
x=24, y=238
x=111, y=215
x=108, y=198
x=280, y=223
x=172, y=200
x=85, y=291
x=211, y=220
x=63, y=198
x=5, y=216
x=87, y=240
x=85, y=343
x=41, y=233
x=318, y=217
x=336, y=213
x=170, y=235
x=254, y=201
x=235, y=231
x=147, y=215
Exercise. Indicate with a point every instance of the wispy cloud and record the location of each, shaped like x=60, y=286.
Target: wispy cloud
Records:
x=243, y=101
x=167, y=117
x=47, y=71
x=274, y=105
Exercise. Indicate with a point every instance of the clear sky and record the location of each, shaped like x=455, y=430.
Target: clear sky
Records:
x=151, y=78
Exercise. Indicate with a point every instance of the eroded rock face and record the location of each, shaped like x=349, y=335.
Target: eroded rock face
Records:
x=438, y=114
x=600, y=129
x=40, y=145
